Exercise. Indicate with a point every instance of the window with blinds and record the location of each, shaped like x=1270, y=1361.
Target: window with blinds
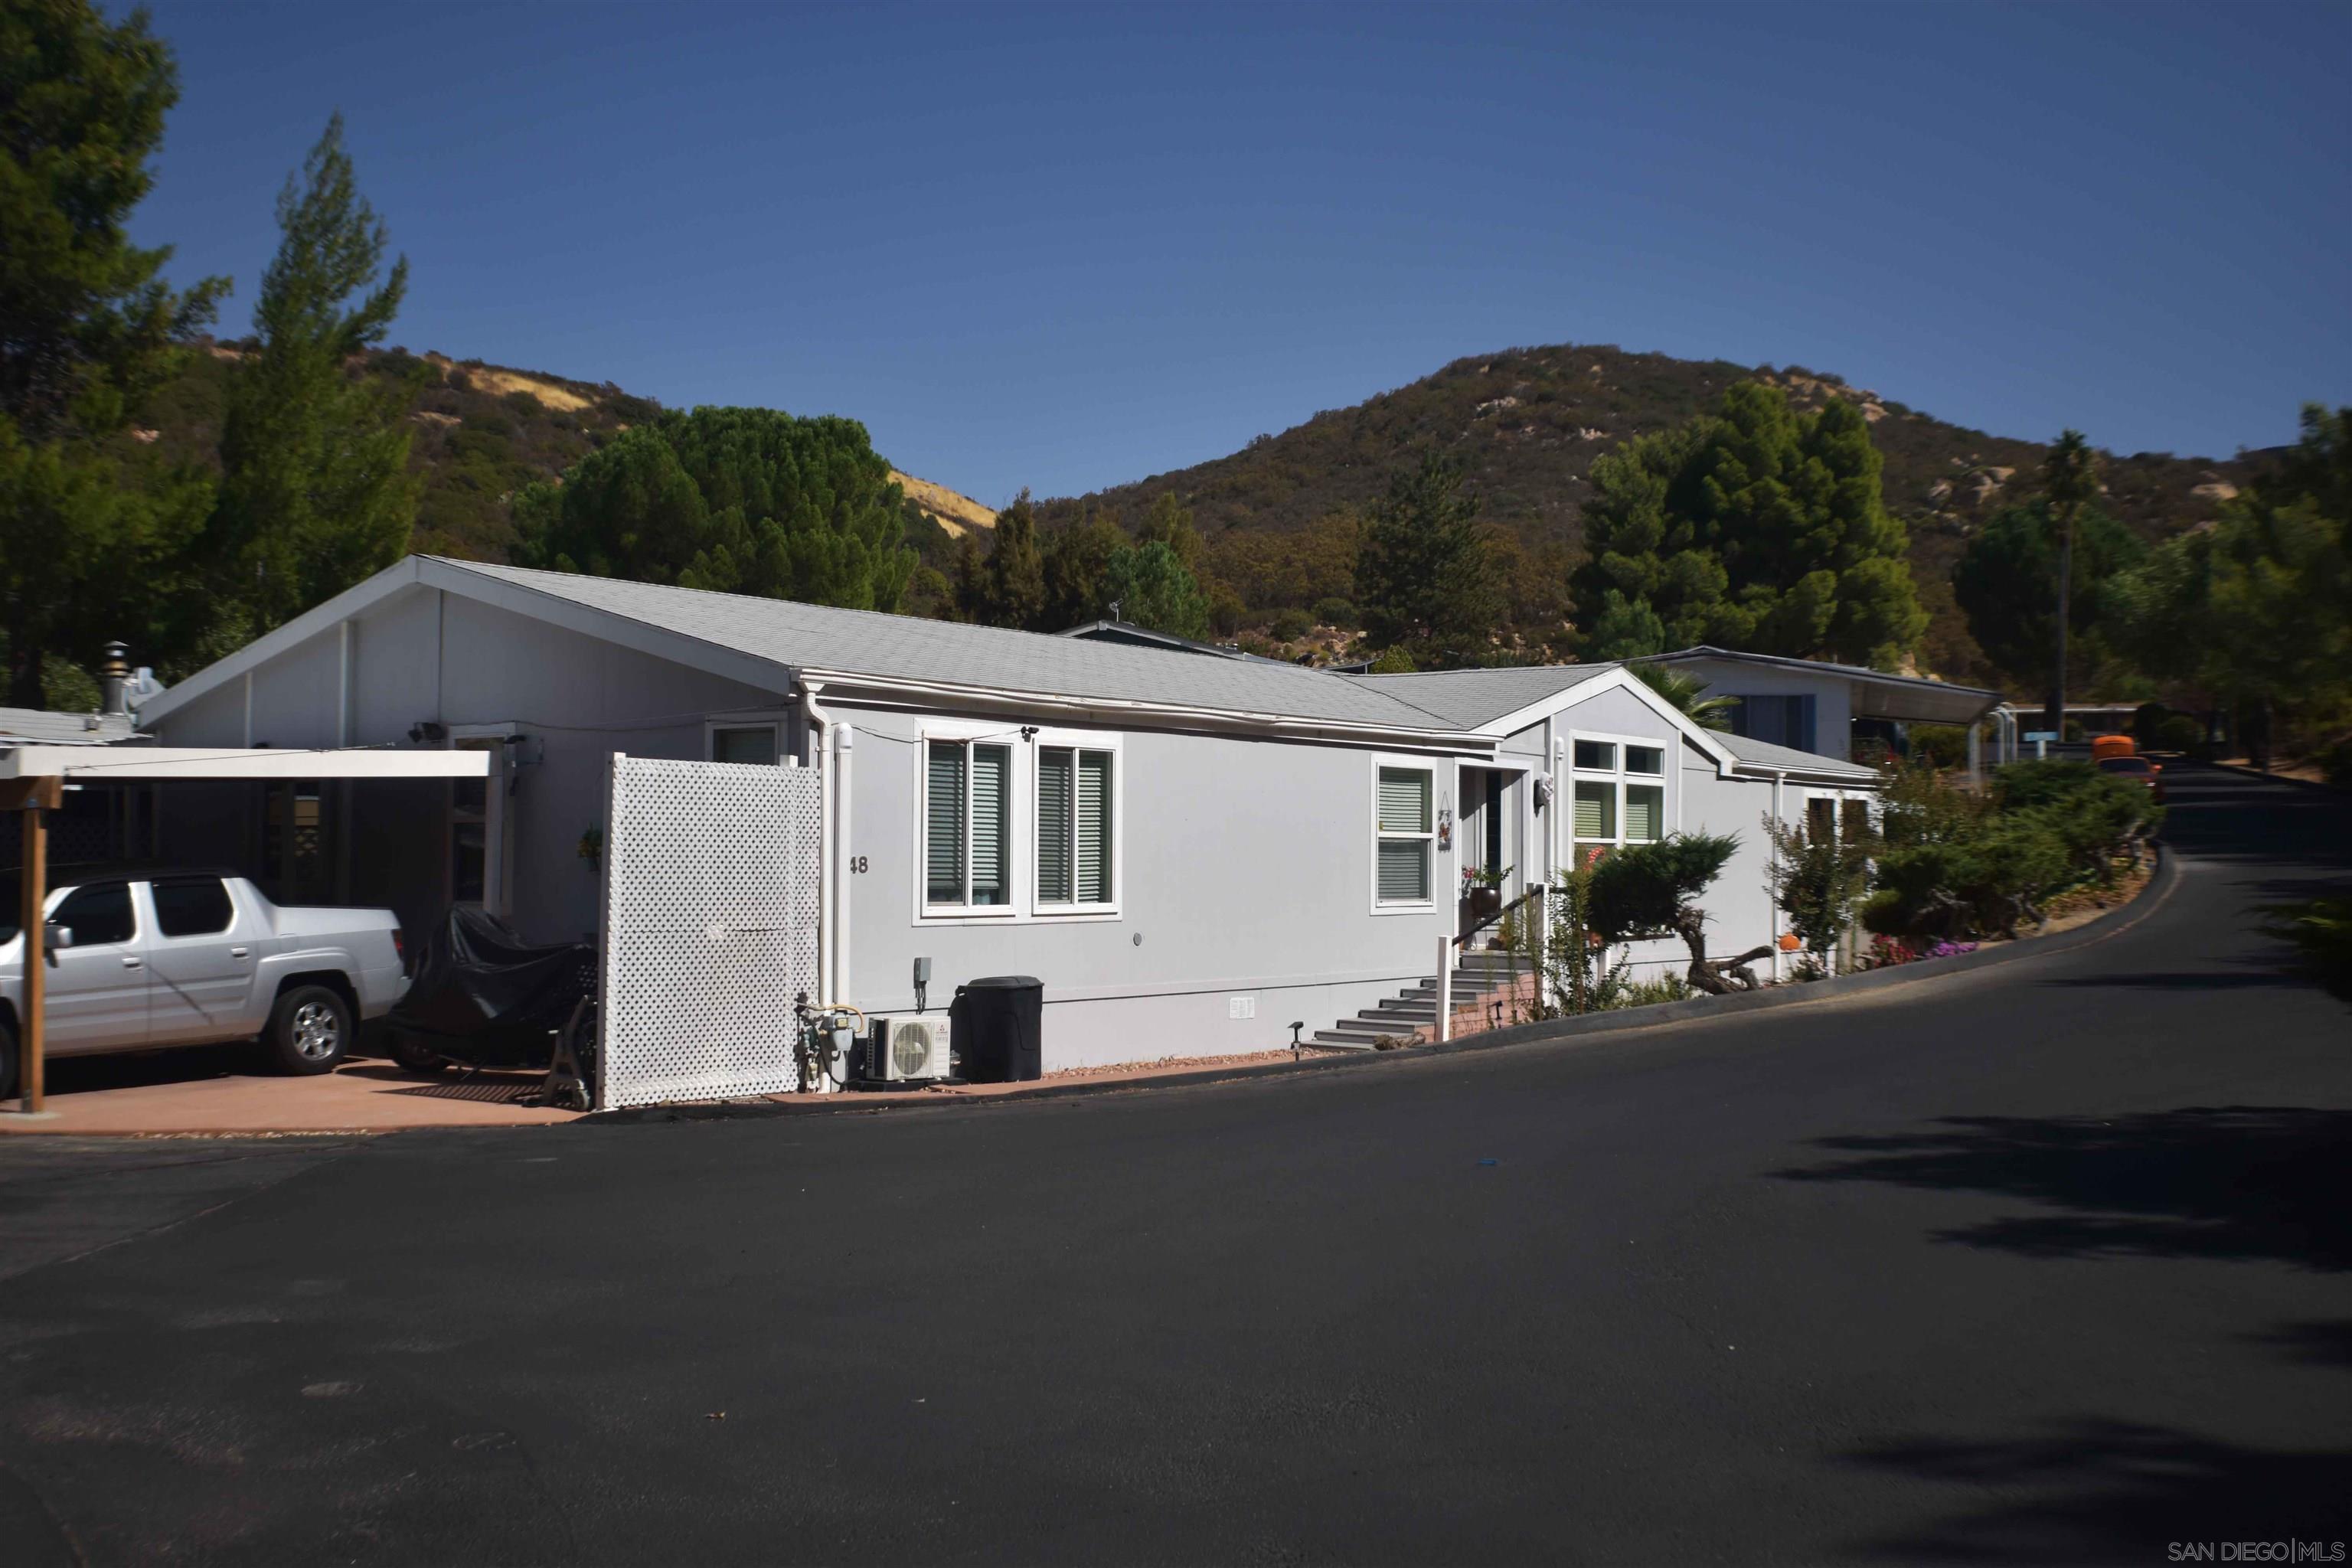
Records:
x=1645, y=813
x=1596, y=810
x=1074, y=825
x=943, y=816
x=1404, y=835
x=992, y=826
x=968, y=825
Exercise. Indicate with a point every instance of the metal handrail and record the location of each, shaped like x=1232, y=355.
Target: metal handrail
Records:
x=1536, y=891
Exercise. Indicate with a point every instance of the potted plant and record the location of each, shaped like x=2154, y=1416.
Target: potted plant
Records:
x=1482, y=891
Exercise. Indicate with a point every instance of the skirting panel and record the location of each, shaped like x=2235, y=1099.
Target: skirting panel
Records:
x=709, y=929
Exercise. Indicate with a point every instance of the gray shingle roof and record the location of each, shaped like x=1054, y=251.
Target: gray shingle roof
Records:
x=865, y=642
x=39, y=727
x=1469, y=698
x=1788, y=757
x=1820, y=666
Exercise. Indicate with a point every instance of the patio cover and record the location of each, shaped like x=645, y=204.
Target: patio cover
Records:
x=96, y=764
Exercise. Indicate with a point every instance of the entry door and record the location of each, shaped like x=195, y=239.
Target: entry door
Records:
x=97, y=990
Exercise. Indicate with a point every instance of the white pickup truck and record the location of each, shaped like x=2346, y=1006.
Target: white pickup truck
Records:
x=141, y=957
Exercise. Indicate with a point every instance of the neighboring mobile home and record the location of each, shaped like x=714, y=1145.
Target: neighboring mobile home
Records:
x=1838, y=711
x=1190, y=850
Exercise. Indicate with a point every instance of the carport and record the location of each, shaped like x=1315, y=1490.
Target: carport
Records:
x=34, y=781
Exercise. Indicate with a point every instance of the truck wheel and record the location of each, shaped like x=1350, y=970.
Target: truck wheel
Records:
x=8, y=1060
x=310, y=1030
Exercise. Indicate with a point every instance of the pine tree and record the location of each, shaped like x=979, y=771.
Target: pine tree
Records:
x=1424, y=578
x=1075, y=558
x=1008, y=589
x=91, y=529
x=1754, y=527
x=315, y=488
x=1152, y=589
x=736, y=500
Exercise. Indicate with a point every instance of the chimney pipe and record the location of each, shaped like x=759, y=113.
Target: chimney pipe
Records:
x=114, y=680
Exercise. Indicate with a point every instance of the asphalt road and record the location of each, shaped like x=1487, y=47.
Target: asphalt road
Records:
x=2045, y=1262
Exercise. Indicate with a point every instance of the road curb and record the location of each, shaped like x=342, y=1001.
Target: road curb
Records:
x=2320, y=784
x=2160, y=885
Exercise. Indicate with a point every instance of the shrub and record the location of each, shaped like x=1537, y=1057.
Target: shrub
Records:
x=1290, y=625
x=2095, y=816
x=1940, y=745
x=2322, y=929
x=2335, y=763
x=1337, y=612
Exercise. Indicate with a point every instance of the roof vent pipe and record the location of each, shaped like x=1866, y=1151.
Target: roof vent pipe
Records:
x=114, y=680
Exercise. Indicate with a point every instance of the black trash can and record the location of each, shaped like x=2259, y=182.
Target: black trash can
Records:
x=995, y=1024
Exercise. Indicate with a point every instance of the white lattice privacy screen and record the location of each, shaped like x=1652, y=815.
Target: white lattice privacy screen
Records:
x=710, y=927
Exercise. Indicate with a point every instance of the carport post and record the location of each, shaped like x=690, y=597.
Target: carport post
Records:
x=34, y=797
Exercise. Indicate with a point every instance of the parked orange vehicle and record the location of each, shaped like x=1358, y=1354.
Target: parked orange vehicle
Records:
x=2137, y=769
x=2106, y=746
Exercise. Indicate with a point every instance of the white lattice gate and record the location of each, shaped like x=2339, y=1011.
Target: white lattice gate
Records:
x=709, y=929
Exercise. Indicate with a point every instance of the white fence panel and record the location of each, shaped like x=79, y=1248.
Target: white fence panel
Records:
x=709, y=929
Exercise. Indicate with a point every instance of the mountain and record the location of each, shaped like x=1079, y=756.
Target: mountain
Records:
x=1528, y=422
x=1278, y=516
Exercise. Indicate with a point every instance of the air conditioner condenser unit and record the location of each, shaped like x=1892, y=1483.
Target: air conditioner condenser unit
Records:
x=902, y=1048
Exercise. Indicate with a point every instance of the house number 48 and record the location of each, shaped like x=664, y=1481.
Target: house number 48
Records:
x=857, y=864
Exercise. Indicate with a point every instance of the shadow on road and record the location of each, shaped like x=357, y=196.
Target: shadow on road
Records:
x=2206, y=981
x=2232, y=1181
x=2096, y=1490
x=2322, y=1343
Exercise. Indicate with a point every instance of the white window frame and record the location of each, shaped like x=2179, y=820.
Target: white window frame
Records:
x=770, y=719
x=1438, y=873
x=497, y=840
x=967, y=734
x=1036, y=909
x=1665, y=781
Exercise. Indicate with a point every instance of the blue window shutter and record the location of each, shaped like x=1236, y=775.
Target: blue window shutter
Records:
x=1806, y=738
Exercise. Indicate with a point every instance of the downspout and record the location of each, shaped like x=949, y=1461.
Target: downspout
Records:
x=844, y=750
x=816, y=722
x=1778, y=780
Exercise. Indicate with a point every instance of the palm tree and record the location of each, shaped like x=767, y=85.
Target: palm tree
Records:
x=2070, y=478
x=1682, y=694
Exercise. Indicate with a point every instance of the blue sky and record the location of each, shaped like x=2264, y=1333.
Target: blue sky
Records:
x=1069, y=247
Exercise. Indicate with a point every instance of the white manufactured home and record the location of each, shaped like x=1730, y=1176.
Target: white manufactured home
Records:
x=1190, y=850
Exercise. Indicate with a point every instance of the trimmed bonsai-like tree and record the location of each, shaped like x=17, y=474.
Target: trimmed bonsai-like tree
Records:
x=1647, y=891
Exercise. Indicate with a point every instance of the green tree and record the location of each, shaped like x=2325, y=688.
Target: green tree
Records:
x=739, y=501
x=1424, y=578
x=1151, y=588
x=1076, y=557
x=1755, y=527
x=90, y=531
x=2070, y=482
x=1625, y=628
x=2256, y=611
x=2007, y=578
x=1652, y=890
x=1008, y=587
x=315, y=490
x=1819, y=876
x=1169, y=523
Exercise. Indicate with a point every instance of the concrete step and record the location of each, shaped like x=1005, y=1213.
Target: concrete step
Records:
x=1332, y=1040
x=1358, y=1035
x=1389, y=1012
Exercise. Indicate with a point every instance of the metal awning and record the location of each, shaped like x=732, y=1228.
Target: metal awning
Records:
x=97, y=764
